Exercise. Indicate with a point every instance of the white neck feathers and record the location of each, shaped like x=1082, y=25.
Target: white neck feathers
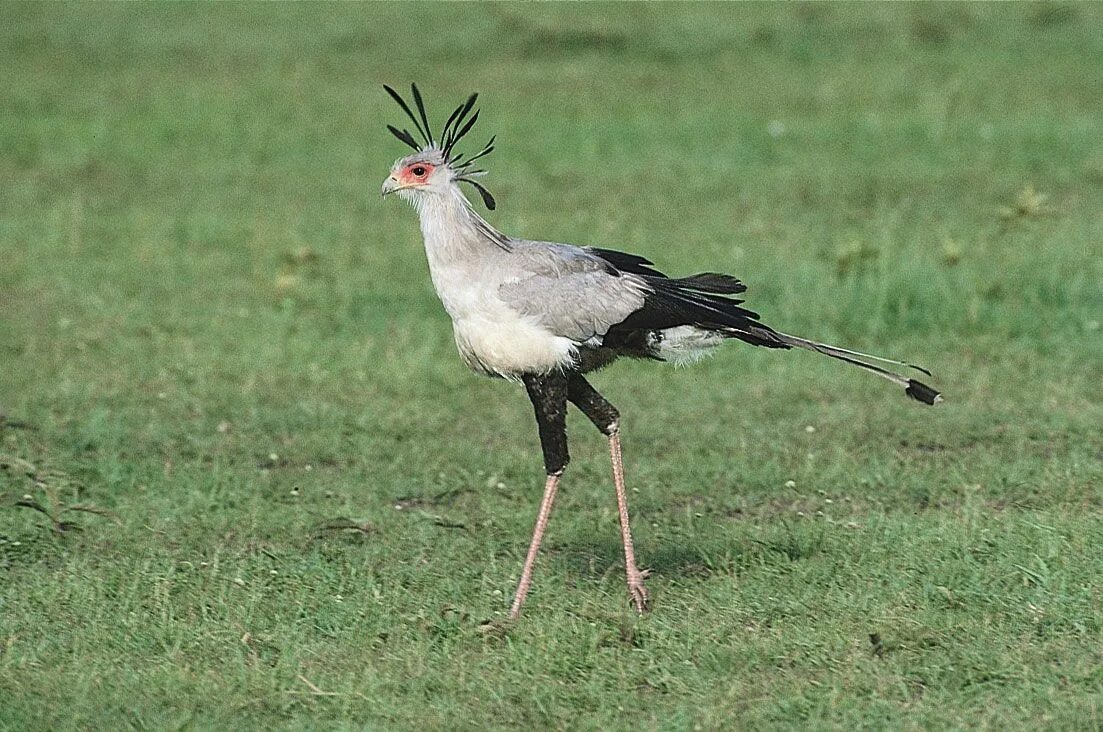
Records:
x=453, y=230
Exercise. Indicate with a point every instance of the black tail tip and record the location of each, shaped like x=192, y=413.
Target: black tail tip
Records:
x=921, y=392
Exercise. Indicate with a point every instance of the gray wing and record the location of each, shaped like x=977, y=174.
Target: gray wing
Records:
x=572, y=293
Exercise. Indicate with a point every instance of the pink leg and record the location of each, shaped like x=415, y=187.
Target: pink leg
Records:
x=537, y=535
x=636, y=589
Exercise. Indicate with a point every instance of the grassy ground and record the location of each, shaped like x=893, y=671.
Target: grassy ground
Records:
x=213, y=330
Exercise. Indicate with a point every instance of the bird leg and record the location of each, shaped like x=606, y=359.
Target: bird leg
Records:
x=548, y=393
x=636, y=590
x=606, y=418
x=534, y=547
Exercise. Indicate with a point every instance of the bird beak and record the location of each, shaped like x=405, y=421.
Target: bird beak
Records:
x=390, y=185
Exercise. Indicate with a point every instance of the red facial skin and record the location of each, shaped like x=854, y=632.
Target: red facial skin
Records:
x=408, y=176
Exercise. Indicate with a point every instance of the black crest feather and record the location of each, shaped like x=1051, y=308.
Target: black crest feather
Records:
x=459, y=123
x=450, y=130
x=421, y=109
x=464, y=130
x=405, y=136
x=487, y=198
x=406, y=108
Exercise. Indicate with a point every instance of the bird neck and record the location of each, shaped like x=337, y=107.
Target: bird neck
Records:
x=453, y=231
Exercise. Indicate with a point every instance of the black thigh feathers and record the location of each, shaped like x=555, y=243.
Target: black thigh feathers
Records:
x=548, y=393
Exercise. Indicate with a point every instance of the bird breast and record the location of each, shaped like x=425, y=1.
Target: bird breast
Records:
x=492, y=337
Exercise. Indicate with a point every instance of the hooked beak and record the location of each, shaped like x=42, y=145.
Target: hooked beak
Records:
x=390, y=185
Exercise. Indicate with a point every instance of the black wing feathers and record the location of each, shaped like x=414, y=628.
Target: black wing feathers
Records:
x=719, y=284
x=697, y=300
x=630, y=263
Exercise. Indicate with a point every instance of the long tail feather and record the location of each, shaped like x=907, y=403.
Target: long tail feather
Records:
x=836, y=351
x=915, y=389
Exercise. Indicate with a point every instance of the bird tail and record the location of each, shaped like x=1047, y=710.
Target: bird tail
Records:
x=687, y=318
x=912, y=387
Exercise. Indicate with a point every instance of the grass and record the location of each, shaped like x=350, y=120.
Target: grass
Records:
x=299, y=509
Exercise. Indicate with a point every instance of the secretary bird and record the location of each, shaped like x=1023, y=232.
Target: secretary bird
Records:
x=544, y=314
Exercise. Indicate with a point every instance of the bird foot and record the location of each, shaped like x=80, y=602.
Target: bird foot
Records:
x=497, y=627
x=637, y=593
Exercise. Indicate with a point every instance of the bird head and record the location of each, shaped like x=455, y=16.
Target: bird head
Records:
x=435, y=168
x=426, y=172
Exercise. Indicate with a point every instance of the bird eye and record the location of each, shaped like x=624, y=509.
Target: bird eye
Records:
x=418, y=171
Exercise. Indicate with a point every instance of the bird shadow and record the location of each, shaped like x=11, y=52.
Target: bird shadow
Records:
x=778, y=546
x=598, y=558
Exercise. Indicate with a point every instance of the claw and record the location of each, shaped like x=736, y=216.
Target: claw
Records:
x=637, y=592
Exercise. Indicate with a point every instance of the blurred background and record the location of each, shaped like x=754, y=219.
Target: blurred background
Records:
x=215, y=338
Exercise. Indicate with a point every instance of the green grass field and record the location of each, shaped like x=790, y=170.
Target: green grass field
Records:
x=302, y=509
